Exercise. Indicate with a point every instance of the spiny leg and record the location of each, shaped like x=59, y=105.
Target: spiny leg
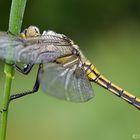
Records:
x=35, y=87
x=27, y=68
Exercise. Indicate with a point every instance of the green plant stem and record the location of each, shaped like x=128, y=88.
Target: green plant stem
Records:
x=7, y=88
x=15, y=22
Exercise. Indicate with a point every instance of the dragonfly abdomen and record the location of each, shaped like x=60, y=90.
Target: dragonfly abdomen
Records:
x=95, y=76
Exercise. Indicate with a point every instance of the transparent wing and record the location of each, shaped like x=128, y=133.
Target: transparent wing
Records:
x=41, y=49
x=9, y=46
x=69, y=84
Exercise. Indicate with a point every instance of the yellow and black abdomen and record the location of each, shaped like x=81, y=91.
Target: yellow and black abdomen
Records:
x=94, y=75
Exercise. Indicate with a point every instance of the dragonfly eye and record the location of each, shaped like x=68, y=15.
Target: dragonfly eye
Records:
x=36, y=30
x=31, y=31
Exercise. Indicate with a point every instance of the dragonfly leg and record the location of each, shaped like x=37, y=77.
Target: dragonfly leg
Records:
x=9, y=32
x=27, y=68
x=35, y=87
x=34, y=90
x=3, y=109
x=16, y=96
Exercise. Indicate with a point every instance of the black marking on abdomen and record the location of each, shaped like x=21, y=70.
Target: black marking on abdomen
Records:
x=120, y=92
x=109, y=86
x=97, y=76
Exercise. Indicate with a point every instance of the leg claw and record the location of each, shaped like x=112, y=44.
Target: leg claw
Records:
x=3, y=110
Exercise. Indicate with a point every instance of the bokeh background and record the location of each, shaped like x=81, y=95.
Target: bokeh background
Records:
x=108, y=32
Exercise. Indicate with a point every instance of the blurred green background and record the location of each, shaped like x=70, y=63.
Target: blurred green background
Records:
x=108, y=32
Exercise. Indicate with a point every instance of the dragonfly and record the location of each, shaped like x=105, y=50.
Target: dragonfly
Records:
x=63, y=70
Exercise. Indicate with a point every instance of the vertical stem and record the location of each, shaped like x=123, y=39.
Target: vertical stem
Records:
x=3, y=121
x=16, y=15
x=15, y=22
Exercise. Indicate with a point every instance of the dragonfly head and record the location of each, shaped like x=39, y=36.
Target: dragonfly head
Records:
x=31, y=31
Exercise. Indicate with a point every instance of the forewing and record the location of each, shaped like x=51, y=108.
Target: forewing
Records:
x=41, y=49
x=9, y=46
x=69, y=84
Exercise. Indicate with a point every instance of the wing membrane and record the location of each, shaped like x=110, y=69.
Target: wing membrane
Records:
x=42, y=49
x=66, y=83
x=9, y=46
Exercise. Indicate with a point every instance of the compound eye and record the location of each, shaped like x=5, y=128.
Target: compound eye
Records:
x=25, y=32
x=31, y=31
x=36, y=30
